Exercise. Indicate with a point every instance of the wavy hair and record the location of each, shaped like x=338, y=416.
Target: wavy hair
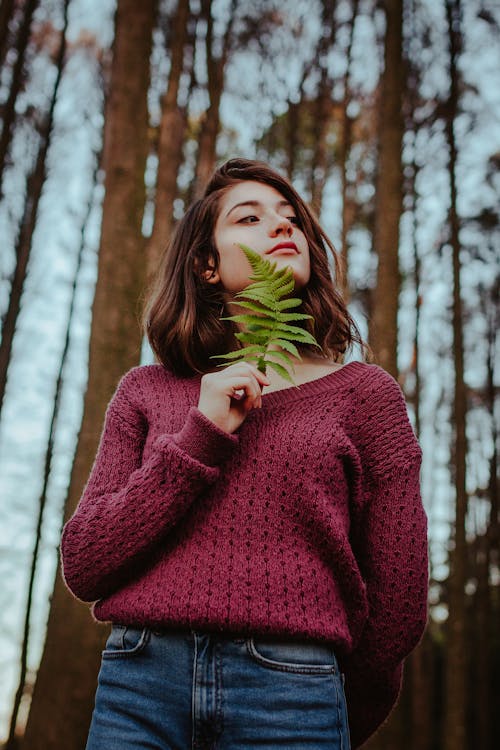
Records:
x=181, y=311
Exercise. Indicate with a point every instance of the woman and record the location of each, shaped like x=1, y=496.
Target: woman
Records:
x=257, y=547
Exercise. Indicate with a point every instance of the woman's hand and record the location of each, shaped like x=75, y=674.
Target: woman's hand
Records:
x=226, y=396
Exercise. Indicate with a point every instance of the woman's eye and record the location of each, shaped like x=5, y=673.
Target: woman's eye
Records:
x=248, y=219
x=293, y=219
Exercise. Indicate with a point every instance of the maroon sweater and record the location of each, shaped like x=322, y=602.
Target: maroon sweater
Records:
x=305, y=522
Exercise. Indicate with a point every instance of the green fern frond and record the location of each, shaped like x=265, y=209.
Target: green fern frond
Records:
x=267, y=324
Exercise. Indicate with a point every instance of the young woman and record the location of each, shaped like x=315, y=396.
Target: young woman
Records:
x=259, y=548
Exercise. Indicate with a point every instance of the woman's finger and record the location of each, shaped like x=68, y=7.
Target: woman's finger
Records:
x=248, y=368
x=243, y=386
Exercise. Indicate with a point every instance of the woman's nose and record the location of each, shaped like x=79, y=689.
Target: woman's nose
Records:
x=281, y=225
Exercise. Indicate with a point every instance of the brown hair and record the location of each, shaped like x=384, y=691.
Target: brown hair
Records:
x=181, y=315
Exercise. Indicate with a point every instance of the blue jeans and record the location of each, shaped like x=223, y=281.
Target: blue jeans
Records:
x=180, y=690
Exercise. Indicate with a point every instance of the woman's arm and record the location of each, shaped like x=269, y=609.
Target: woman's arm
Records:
x=128, y=506
x=389, y=539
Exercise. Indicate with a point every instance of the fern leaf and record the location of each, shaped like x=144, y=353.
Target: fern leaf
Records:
x=283, y=317
x=285, y=304
x=264, y=299
x=288, y=346
x=283, y=287
x=248, y=320
x=280, y=370
x=252, y=306
x=267, y=324
x=295, y=330
x=280, y=355
x=254, y=338
x=246, y=351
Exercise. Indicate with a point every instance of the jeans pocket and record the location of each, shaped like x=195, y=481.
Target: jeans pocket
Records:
x=305, y=657
x=125, y=641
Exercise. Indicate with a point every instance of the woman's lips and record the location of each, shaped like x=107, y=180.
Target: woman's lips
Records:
x=284, y=248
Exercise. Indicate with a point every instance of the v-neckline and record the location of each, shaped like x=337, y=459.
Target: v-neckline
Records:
x=314, y=386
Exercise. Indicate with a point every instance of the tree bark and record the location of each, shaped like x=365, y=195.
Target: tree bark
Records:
x=24, y=247
x=384, y=328
x=487, y=550
x=422, y=684
x=422, y=690
x=323, y=104
x=9, y=109
x=12, y=741
x=344, y=151
x=293, y=123
x=421, y=660
x=456, y=668
x=210, y=125
x=34, y=189
x=171, y=138
x=6, y=13
x=66, y=679
x=481, y=613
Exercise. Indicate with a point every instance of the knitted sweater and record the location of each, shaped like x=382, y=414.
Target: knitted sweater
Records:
x=305, y=522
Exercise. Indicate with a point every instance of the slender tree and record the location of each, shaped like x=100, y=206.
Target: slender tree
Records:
x=421, y=668
x=456, y=665
x=9, y=108
x=323, y=107
x=34, y=190
x=486, y=541
x=170, y=140
x=7, y=10
x=383, y=329
x=22, y=684
x=216, y=65
x=293, y=125
x=66, y=679
x=344, y=151
x=23, y=252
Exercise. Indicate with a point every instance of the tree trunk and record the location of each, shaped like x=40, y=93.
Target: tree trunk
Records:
x=487, y=554
x=6, y=13
x=344, y=151
x=319, y=166
x=384, y=328
x=24, y=248
x=421, y=672
x=421, y=660
x=12, y=741
x=205, y=161
x=293, y=123
x=64, y=691
x=456, y=667
x=9, y=109
x=171, y=138
x=34, y=189
x=481, y=663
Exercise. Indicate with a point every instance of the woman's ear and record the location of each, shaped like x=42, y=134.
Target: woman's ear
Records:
x=211, y=275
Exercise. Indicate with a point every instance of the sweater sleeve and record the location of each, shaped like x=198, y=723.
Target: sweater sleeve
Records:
x=128, y=506
x=389, y=539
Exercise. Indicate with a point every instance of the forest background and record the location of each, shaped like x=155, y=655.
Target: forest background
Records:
x=386, y=116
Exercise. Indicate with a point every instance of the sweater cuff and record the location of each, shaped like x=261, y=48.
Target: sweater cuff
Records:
x=201, y=439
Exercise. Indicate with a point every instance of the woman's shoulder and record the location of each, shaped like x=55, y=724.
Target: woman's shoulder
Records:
x=141, y=388
x=144, y=374
x=379, y=423
x=377, y=397
x=372, y=378
x=142, y=383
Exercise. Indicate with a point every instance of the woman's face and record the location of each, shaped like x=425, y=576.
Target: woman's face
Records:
x=257, y=215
